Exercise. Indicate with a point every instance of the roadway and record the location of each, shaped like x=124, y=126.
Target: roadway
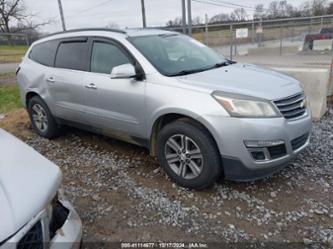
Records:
x=8, y=67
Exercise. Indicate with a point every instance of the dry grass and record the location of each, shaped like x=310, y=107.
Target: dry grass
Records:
x=9, y=54
x=17, y=123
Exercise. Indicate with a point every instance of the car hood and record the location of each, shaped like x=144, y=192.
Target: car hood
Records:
x=28, y=182
x=245, y=79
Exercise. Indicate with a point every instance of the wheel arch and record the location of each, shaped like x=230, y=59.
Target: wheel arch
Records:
x=167, y=118
x=29, y=95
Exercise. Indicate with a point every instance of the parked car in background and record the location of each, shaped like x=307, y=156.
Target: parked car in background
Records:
x=324, y=34
x=202, y=115
x=33, y=211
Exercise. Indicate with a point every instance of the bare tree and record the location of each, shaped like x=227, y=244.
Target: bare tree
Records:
x=239, y=14
x=175, y=23
x=9, y=11
x=197, y=20
x=280, y=9
x=113, y=25
x=259, y=11
x=14, y=18
x=220, y=18
x=273, y=9
x=314, y=8
x=330, y=9
x=319, y=7
x=285, y=9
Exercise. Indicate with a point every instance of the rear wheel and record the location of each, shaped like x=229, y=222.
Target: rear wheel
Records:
x=41, y=118
x=188, y=154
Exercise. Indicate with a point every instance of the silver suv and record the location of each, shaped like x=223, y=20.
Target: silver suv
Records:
x=202, y=115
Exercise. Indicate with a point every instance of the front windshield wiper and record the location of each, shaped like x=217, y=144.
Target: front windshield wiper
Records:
x=217, y=65
x=223, y=64
x=186, y=72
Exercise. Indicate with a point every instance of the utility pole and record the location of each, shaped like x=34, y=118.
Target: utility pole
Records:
x=189, y=17
x=143, y=13
x=62, y=16
x=184, y=16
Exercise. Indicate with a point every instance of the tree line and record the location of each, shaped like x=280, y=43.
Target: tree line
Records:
x=274, y=10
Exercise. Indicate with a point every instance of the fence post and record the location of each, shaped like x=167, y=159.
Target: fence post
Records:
x=253, y=31
x=281, y=38
x=206, y=29
x=231, y=41
x=310, y=25
x=27, y=40
x=235, y=43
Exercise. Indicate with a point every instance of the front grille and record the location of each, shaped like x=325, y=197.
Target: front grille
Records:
x=277, y=151
x=300, y=141
x=292, y=107
x=33, y=239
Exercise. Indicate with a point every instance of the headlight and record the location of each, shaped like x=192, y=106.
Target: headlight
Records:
x=246, y=106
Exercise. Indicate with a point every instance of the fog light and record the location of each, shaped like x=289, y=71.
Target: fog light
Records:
x=262, y=143
x=258, y=155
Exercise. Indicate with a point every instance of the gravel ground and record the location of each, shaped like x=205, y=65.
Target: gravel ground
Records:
x=122, y=195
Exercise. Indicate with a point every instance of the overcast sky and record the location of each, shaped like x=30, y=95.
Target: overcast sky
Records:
x=126, y=13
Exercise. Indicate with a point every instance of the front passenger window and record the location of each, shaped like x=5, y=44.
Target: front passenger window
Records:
x=105, y=57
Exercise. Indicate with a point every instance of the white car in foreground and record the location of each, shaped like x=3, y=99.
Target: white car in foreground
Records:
x=33, y=212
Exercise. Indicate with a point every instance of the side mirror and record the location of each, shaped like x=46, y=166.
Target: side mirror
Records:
x=124, y=71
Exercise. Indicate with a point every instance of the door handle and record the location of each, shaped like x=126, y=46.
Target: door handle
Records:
x=91, y=86
x=50, y=79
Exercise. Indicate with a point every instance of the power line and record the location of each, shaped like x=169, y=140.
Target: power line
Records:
x=91, y=8
x=214, y=3
x=237, y=5
x=234, y=4
x=226, y=4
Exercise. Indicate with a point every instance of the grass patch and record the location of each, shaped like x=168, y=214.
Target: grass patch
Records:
x=16, y=48
x=10, y=75
x=9, y=98
x=10, y=54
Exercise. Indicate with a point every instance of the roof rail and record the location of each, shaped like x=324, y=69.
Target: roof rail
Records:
x=87, y=29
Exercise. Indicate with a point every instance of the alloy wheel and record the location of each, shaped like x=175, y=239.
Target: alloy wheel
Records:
x=184, y=156
x=39, y=117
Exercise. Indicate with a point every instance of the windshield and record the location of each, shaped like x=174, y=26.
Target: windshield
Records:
x=175, y=54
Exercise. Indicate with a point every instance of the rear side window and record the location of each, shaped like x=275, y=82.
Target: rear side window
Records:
x=72, y=55
x=106, y=56
x=44, y=53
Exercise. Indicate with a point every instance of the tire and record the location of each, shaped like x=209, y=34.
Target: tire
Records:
x=41, y=118
x=191, y=168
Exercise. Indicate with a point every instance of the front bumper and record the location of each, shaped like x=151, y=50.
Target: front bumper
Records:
x=231, y=134
x=67, y=236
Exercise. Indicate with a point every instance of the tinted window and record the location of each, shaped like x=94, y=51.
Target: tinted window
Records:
x=44, y=53
x=105, y=57
x=72, y=55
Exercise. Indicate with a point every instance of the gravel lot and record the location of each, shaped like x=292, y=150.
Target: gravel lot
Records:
x=121, y=195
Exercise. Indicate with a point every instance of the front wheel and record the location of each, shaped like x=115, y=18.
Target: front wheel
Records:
x=41, y=118
x=188, y=154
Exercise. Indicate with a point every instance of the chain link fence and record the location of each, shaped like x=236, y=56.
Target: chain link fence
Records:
x=269, y=37
x=299, y=47
x=13, y=46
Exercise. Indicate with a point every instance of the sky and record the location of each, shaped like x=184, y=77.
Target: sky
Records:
x=125, y=13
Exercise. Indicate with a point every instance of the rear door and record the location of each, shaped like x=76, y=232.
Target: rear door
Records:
x=113, y=105
x=66, y=80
